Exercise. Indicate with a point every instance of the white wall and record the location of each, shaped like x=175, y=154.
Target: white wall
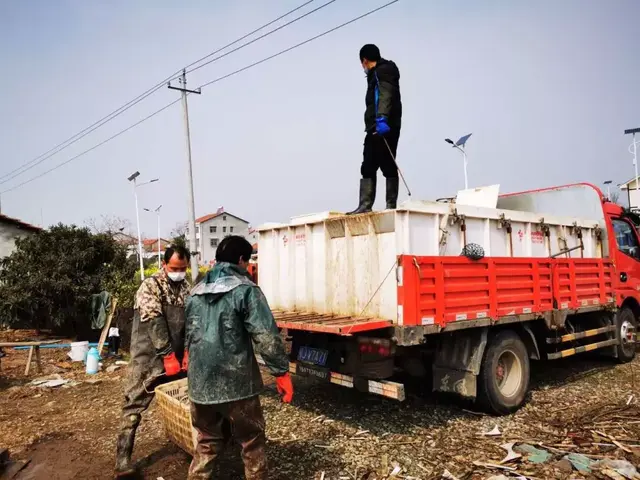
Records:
x=629, y=193
x=634, y=199
x=8, y=235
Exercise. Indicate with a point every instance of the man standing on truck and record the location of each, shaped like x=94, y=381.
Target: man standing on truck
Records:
x=157, y=346
x=382, y=119
x=227, y=317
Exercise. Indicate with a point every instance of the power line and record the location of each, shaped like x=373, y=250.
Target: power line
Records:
x=281, y=52
x=270, y=32
x=130, y=127
x=175, y=75
x=259, y=62
x=78, y=136
x=91, y=128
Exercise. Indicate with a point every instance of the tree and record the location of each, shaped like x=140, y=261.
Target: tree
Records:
x=110, y=224
x=49, y=278
x=180, y=230
x=179, y=235
x=615, y=196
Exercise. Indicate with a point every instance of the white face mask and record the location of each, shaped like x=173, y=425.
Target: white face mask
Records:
x=177, y=276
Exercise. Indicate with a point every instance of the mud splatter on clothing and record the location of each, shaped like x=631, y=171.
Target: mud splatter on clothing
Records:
x=228, y=319
x=248, y=427
x=156, y=291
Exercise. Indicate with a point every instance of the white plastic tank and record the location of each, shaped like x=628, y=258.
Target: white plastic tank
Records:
x=329, y=263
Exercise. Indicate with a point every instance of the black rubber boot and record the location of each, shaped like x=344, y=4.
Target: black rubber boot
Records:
x=367, y=196
x=124, y=448
x=393, y=184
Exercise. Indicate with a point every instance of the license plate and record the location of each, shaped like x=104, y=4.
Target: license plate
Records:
x=313, y=371
x=314, y=356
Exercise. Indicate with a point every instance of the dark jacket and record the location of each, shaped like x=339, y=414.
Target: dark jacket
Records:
x=227, y=317
x=383, y=95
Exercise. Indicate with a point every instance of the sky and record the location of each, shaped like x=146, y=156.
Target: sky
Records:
x=546, y=87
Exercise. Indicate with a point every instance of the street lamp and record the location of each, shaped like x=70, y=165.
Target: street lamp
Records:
x=132, y=178
x=633, y=148
x=608, y=184
x=460, y=145
x=157, y=210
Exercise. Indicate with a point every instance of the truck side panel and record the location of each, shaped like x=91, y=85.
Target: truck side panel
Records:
x=443, y=290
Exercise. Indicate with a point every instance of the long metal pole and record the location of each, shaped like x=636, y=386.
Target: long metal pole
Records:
x=397, y=166
x=192, y=206
x=466, y=180
x=159, y=254
x=635, y=163
x=135, y=194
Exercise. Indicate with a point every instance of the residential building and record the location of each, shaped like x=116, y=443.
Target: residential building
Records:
x=253, y=236
x=632, y=194
x=12, y=229
x=212, y=228
x=149, y=245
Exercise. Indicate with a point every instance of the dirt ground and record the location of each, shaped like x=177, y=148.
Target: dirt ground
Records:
x=579, y=405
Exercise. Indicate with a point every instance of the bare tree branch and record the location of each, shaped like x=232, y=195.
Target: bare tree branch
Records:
x=110, y=224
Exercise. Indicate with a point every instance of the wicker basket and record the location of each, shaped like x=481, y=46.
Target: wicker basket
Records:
x=173, y=402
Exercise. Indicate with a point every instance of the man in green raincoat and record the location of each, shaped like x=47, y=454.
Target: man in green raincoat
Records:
x=227, y=318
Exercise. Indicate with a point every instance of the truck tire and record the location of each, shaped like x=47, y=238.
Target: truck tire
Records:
x=626, y=327
x=503, y=380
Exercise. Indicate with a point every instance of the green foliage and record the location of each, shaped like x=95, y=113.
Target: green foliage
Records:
x=153, y=269
x=48, y=280
x=180, y=241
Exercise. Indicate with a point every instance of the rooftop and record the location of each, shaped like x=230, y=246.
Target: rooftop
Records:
x=19, y=223
x=220, y=211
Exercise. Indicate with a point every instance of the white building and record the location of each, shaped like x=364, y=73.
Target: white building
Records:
x=630, y=191
x=212, y=228
x=10, y=230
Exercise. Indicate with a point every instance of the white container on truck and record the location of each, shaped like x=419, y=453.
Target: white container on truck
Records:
x=330, y=263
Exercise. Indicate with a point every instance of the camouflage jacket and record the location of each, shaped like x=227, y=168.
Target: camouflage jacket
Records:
x=227, y=317
x=157, y=291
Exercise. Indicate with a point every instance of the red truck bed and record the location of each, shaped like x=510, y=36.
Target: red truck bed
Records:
x=441, y=290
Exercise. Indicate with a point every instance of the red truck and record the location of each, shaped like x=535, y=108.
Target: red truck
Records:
x=543, y=275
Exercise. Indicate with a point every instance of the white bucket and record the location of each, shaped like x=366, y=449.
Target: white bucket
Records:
x=79, y=351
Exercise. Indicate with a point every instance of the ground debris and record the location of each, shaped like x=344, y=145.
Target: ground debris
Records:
x=51, y=381
x=322, y=433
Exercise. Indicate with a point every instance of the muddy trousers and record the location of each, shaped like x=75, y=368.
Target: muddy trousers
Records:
x=247, y=424
x=137, y=400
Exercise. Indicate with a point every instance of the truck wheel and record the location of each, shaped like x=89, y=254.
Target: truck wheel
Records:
x=503, y=381
x=626, y=324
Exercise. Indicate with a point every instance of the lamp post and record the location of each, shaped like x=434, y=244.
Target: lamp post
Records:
x=157, y=210
x=633, y=148
x=460, y=145
x=132, y=178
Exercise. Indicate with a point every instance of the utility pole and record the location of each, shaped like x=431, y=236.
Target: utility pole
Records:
x=192, y=207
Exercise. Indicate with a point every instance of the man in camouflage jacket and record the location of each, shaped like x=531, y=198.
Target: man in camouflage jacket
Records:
x=227, y=318
x=157, y=347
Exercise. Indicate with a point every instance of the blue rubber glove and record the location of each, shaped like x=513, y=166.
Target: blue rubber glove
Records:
x=382, y=128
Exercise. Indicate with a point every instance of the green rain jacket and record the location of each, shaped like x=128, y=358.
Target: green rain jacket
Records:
x=227, y=317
